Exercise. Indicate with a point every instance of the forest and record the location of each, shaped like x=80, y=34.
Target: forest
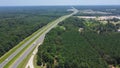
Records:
x=17, y=23
x=66, y=46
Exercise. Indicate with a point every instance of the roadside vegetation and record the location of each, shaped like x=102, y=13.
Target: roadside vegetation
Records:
x=74, y=43
x=17, y=23
x=96, y=46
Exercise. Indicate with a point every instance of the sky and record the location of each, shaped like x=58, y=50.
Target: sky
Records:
x=57, y=2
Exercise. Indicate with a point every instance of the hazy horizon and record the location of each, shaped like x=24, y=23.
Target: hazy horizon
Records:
x=57, y=3
x=51, y=5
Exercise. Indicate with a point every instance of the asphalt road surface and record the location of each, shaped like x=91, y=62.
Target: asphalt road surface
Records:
x=32, y=46
x=16, y=52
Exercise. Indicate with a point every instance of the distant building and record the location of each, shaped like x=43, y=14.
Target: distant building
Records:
x=118, y=30
x=100, y=17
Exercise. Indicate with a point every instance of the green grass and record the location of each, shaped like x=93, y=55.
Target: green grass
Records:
x=35, y=58
x=20, y=53
x=25, y=61
x=35, y=61
x=5, y=56
x=28, y=57
x=41, y=31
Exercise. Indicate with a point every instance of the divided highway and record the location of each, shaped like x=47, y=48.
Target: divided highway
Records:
x=39, y=37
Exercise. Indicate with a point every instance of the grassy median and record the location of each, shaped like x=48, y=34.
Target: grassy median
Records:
x=18, y=55
x=40, y=31
x=5, y=56
x=24, y=62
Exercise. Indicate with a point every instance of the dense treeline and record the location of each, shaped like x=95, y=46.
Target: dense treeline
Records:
x=16, y=23
x=96, y=45
x=15, y=12
x=105, y=39
x=108, y=45
x=66, y=47
x=13, y=31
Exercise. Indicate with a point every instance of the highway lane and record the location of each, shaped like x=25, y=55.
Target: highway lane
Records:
x=16, y=52
x=30, y=63
x=40, y=39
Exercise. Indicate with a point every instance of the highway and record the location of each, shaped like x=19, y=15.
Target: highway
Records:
x=36, y=42
x=16, y=52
